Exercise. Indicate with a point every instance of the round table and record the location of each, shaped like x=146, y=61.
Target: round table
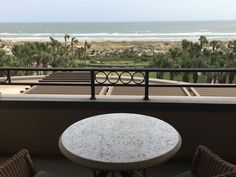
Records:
x=119, y=142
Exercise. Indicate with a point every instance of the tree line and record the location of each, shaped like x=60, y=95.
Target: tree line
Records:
x=72, y=53
x=200, y=54
x=43, y=54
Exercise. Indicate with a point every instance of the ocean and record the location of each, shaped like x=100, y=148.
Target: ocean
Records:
x=119, y=30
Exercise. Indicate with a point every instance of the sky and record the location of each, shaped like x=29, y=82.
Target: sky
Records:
x=115, y=10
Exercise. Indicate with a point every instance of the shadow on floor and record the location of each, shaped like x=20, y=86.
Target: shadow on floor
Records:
x=64, y=168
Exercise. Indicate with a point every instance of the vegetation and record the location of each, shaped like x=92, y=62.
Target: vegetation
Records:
x=45, y=54
x=73, y=53
x=199, y=55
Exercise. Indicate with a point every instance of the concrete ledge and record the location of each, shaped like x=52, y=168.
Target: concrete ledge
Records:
x=115, y=98
x=177, y=103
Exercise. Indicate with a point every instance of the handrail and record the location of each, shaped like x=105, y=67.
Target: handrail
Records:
x=122, y=69
x=107, y=72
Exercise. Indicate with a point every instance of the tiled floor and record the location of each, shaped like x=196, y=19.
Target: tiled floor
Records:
x=64, y=168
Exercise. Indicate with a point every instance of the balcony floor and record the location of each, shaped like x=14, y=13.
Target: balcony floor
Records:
x=64, y=168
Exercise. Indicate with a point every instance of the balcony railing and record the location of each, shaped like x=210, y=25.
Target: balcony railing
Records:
x=119, y=77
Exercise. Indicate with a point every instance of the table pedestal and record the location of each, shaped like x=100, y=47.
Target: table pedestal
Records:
x=141, y=173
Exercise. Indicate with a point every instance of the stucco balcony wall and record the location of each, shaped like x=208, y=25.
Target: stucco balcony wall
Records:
x=36, y=122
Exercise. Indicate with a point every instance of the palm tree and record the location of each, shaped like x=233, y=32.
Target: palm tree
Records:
x=197, y=62
x=184, y=62
x=163, y=61
x=218, y=60
x=222, y=77
x=192, y=58
x=195, y=50
x=214, y=45
x=172, y=61
x=86, y=46
x=24, y=53
x=76, y=41
x=66, y=37
x=2, y=60
x=230, y=60
x=2, y=57
x=232, y=45
x=231, y=77
x=72, y=41
x=55, y=43
x=203, y=40
x=186, y=44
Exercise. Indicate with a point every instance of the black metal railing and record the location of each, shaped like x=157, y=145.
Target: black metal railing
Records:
x=128, y=77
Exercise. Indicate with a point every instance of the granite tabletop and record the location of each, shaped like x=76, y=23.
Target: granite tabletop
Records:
x=119, y=141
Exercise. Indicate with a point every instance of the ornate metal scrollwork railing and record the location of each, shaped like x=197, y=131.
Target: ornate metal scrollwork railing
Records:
x=122, y=77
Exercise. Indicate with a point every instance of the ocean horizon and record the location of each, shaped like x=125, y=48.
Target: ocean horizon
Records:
x=90, y=31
